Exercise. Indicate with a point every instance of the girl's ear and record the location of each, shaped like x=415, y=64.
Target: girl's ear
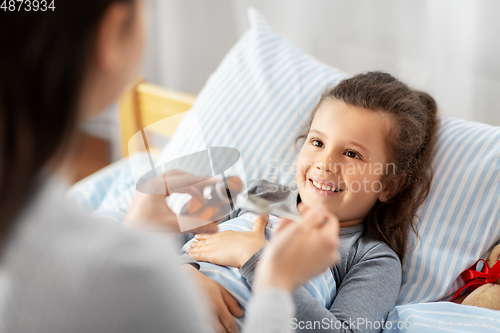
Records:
x=393, y=184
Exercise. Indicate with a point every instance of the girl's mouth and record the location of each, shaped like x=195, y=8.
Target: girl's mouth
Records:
x=324, y=189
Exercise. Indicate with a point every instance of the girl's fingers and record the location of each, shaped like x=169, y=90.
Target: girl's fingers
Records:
x=202, y=236
x=197, y=244
x=200, y=255
x=194, y=253
x=260, y=223
x=200, y=251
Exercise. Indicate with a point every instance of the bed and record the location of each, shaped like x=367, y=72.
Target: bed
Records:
x=257, y=101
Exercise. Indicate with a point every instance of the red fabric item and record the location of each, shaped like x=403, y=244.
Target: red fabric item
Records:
x=474, y=279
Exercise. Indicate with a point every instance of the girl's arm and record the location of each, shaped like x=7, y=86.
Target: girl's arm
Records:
x=364, y=298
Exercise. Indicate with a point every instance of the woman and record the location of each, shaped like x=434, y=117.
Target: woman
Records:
x=62, y=271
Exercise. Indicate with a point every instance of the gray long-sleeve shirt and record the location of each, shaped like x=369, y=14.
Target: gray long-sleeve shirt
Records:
x=63, y=271
x=368, y=276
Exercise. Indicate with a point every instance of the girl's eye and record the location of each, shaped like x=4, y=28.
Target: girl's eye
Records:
x=352, y=154
x=317, y=143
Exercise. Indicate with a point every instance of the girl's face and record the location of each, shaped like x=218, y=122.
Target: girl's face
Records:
x=343, y=161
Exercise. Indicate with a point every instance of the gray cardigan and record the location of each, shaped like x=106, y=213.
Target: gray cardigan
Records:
x=63, y=271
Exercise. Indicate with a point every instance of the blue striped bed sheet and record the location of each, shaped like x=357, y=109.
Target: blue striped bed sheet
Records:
x=441, y=317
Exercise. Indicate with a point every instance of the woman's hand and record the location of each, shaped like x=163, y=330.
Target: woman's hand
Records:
x=299, y=251
x=222, y=304
x=150, y=210
x=230, y=248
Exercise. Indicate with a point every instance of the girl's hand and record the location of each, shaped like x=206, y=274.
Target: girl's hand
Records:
x=299, y=251
x=230, y=248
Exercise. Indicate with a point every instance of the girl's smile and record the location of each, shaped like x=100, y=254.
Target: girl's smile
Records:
x=324, y=187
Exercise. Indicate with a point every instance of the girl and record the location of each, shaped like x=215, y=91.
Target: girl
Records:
x=62, y=270
x=366, y=159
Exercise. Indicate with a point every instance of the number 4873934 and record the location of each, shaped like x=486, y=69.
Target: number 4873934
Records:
x=27, y=5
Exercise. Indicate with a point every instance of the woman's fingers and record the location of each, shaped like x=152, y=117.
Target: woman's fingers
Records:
x=179, y=181
x=222, y=320
x=283, y=224
x=219, y=328
x=328, y=235
x=225, y=317
x=195, y=225
x=299, y=252
x=316, y=216
x=302, y=208
x=227, y=321
x=331, y=224
x=260, y=223
x=228, y=324
x=151, y=212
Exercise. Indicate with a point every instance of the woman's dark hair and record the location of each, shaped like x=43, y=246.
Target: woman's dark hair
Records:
x=410, y=143
x=43, y=59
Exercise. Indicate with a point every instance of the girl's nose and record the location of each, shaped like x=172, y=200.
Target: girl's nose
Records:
x=324, y=165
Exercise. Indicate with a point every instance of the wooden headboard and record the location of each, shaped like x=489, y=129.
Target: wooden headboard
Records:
x=142, y=106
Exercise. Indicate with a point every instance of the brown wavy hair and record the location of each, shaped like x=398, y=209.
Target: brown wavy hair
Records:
x=410, y=143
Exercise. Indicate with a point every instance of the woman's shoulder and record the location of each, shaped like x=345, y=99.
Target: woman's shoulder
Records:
x=55, y=233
